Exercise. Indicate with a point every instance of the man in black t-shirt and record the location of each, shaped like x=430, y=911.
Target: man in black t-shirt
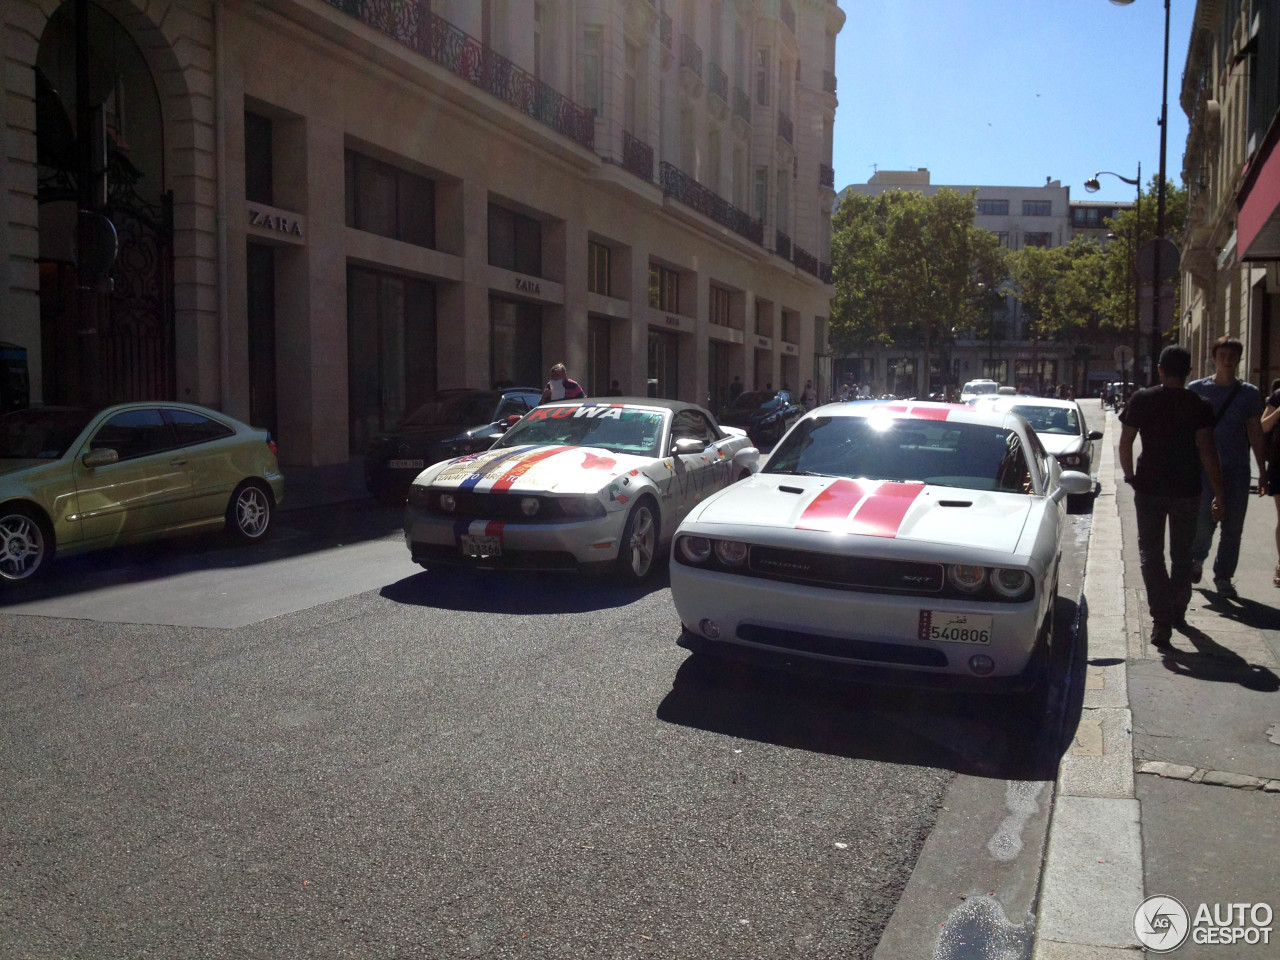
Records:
x=1176, y=427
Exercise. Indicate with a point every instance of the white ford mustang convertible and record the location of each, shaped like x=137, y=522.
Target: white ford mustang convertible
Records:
x=914, y=543
x=583, y=483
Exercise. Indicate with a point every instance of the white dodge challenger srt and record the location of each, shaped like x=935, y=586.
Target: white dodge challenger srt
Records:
x=913, y=543
x=576, y=484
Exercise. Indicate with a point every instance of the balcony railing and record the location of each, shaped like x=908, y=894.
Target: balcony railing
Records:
x=782, y=245
x=805, y=260
x=637, y=157
x=824, y=272
x=826, y=176
x=665, y=31
x=741, y=104
x=680, y=186
x=785, y=130
x=690, y=55
x=828, y=81
x=788, y=15
x=411, y=23
x=718, y=81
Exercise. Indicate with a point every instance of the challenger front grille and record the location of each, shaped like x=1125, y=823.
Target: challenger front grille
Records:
x=844, y=572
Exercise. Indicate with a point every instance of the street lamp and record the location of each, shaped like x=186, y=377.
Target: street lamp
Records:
x=1157, y=280
x=1092, y=186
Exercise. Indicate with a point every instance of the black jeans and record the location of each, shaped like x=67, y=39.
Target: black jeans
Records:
x=1168, y=590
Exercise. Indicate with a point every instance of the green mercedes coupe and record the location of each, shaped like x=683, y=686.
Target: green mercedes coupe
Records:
x=73, y=480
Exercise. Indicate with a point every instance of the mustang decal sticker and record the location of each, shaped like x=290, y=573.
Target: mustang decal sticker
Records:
x=592, y=462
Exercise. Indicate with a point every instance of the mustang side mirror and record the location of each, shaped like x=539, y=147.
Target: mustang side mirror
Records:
x=99, y=458
x=687, y=445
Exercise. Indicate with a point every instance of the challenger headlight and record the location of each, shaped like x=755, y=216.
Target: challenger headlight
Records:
x=694, y=550
x=966, y=578
x=732, y=553
x=1013, y=584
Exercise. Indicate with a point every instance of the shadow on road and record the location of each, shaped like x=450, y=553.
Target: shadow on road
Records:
x=979, y=735
x=518, y=593
x=295, y=533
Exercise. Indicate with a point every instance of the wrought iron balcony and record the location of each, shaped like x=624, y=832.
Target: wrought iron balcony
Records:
x=411, y=23
x=741, y=104
x=782, y=245
x=805, y=260
x=690, y=55
x=826, y=176
x=637, y=157
x=718, y=81
x=785, y=130
x=680, y=186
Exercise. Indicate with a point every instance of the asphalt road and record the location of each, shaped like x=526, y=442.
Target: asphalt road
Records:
x=447, y=765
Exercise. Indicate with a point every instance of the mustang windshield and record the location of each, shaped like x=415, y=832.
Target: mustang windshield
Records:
x=968, y=455
x=40, y=434
x=1058, y=420
x=608, y=426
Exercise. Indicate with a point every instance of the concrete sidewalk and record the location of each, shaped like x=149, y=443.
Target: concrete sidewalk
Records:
x=1171, y=783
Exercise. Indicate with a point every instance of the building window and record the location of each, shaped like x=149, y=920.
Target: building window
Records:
x=1030, y=239
x=631, y=91
x=598, y=269
x=664, y=289
x=761, y=192
x=1003, y=237
x=713, y=159
x=790, y=327
x=1089, y=216
x=719, y=307
x=390, y=202
x=993, y=208
x=592, y=89
x=762, y=76
x=537, y=40
x=257, y=159
x=515, y=241
x=1037, y=208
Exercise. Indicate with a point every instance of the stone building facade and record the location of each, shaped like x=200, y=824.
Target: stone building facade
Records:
x=326, y=209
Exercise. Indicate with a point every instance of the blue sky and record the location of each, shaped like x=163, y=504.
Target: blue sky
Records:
x=1009, y=92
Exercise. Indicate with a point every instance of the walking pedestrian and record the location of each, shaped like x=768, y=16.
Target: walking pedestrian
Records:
x=1237, y=413
x=735, y=388
x=1176, y=427
x=809, y=396
x=560, y=387
x=1269, y=418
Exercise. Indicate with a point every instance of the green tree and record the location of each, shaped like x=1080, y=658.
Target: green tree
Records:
x=1117, y=315
x=906, y=270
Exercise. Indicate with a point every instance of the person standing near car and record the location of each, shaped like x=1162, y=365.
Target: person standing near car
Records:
x=1237, y=418
x=1176, y=427
x=809, y=396
x=560, y=387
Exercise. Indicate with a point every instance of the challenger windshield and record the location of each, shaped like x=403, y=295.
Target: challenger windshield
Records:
x=968, y=455
x=608, y=426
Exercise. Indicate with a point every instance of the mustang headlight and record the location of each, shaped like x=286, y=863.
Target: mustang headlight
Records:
x=694, y=550
x=419, y=496
x=732, y=553
x=530, y=506
x=448, y=503
x=966, y=578
x=1014, y=584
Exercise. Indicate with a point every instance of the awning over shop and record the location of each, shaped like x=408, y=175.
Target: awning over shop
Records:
x=1258, y=222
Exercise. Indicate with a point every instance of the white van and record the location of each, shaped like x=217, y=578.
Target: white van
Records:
x=978, y=388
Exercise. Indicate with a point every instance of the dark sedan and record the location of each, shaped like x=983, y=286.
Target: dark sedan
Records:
x=452, y=423
x=765, y=416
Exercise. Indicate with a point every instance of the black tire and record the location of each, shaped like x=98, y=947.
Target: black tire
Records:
x=638, y=548
x=250, y=512
x=26, y=543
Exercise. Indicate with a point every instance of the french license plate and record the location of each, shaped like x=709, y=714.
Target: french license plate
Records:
x=405, y=464
x=481, y=546
x=955, y=627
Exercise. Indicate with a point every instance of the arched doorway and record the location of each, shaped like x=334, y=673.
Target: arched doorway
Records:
x=105, y=336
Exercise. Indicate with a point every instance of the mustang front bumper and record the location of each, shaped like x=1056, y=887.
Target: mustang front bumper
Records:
x=436, y=540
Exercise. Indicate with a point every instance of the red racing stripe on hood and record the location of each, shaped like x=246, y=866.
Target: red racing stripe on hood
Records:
x=508, y=479
x=882, y=512
x=831, y=508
